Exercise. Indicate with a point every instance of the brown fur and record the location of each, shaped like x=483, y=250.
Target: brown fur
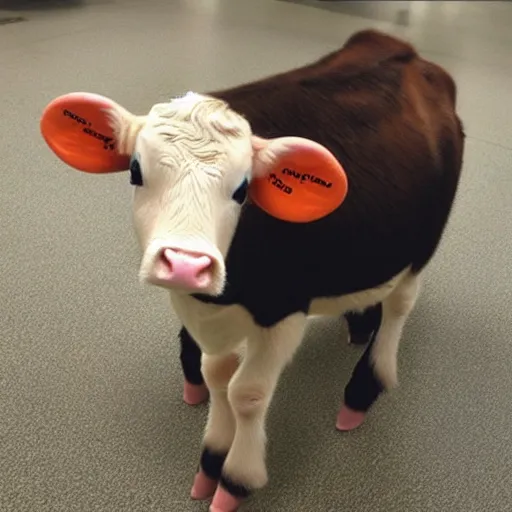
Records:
x=389, y=117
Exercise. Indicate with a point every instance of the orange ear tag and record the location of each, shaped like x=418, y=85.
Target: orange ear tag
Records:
x=76, y=128
x=304, y=186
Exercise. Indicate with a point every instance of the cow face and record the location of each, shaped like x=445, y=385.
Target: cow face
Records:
x=192, y=160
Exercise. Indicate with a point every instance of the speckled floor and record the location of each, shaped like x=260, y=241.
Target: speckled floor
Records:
x=91, y=417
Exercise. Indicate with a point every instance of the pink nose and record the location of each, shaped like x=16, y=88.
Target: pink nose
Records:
x=185, y=270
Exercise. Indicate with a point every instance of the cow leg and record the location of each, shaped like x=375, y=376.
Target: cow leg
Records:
x=220, y=427
x=364, y=387
x=361, y=392
x=250, y=393
x=194, y=388
x=377, y=369
x=395, y=311
x=363, y=327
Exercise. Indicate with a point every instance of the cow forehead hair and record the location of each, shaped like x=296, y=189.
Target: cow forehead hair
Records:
x=197, y=128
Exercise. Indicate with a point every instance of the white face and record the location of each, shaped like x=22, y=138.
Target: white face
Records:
x=191, y=163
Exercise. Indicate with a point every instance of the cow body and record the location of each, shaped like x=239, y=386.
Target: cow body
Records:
x=389, y=118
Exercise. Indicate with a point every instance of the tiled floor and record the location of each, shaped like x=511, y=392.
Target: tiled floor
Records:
x=91, y=417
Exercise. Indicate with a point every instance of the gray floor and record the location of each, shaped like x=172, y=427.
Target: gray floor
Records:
x=91, y=417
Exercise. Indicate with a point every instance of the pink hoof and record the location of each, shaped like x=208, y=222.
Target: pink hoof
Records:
x=203, y=488
x=348, y=419
x=224, y=502
x=194, y=394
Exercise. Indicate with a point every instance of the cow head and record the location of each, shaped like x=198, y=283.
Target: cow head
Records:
x=192, y=160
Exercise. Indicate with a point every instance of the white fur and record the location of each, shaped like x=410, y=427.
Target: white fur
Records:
x=355, y=301
x=395, y=311
x=194, y=152
x=241, y=395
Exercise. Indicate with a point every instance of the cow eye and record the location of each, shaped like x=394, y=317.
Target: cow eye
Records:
x=240, y=193
x=135, y=172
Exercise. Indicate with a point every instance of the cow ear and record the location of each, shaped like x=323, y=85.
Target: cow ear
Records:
x=296, y=179
x=267, y=153
x=125, y=127
x=90, y=133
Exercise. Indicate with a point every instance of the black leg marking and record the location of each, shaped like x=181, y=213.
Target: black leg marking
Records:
x=211, y=463
x=363, y=327
x=364, y=387
x=236, y=490
x=190, y=357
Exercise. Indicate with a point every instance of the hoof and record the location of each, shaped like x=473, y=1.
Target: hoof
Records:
x=348, y=419
x=194, y=394
x=224, y=502
x=203, y=488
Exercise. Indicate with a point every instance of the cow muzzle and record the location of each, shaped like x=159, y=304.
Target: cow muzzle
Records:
x=183, y=269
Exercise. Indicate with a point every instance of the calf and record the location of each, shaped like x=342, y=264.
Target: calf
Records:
x=242, y=282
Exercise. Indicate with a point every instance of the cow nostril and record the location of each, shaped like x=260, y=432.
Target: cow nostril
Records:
x=205, y=267
x=166, y=257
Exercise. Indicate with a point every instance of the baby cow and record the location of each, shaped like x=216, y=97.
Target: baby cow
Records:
x=242, y=282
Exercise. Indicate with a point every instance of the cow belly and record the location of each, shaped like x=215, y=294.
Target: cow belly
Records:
x=220, y=329
x=335, y=306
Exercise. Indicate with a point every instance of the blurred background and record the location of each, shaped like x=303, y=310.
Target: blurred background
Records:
x=91, y=415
